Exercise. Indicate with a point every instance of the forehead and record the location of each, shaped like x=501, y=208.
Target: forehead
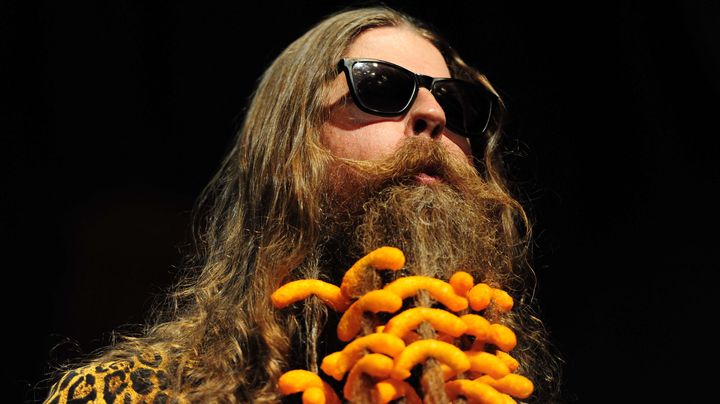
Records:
x=401, y=46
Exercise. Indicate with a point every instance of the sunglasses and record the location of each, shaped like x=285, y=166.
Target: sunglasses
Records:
x=386, y=89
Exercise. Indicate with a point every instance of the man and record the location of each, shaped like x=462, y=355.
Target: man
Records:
x=347, y=146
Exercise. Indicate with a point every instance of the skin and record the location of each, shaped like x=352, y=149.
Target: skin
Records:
x=352, y=133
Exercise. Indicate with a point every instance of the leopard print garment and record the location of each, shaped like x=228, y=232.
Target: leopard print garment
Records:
x=143, y=379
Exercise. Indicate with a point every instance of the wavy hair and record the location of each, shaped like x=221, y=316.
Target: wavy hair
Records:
x=257, y=225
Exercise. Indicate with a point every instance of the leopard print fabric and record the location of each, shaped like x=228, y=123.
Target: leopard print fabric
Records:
x=143, y=379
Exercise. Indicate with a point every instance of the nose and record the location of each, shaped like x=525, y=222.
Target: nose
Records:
x=426, y=116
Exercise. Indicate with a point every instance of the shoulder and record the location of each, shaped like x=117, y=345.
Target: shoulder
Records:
x=138, y=378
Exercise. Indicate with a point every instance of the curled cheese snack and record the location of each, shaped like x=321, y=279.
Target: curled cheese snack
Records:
x=512, y=384
x=461, y=282
x=313, y=395
x=502, y=300
x=503, y=337
x=376, y=365
x=382, y=258
x=473, y=391
x=487, y=363
x=295, y=381
x=410, y=319
x=483, y=332
x=294, y=291
x=479, y=296
x=337, y=363
x=419, y=351
x=298, y=380
x=439, y=290
x=374, y=301
x=508, y=360
x=477, y=326
x=391, y=389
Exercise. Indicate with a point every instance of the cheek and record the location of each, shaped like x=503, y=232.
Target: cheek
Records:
x=459, y=145
x=359, y=144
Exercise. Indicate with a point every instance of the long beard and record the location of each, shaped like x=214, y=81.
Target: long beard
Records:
x=451, y=224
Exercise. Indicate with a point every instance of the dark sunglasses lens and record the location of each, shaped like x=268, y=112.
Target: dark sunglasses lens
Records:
x=467, y=106
x=382, y=88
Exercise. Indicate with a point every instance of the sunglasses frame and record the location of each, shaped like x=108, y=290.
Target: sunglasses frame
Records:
x=420, y=80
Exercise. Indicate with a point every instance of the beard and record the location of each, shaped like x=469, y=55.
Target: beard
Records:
x=454, y=222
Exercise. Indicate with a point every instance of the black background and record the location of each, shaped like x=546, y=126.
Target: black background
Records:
x=115, y=115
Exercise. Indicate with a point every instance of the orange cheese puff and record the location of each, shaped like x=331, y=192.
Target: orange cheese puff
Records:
x=462, y=282
x=382, y=258
x=502, y=300
x=440, y=320
x=477, y=326
x=473, y=391
x=487, y=363
x=508, y=360
x=374, y=301
x=391, y=389
x=503, y=337
x=515, y=385
x=376, y=365
x=337, y=363
x=313, y=395
x=479, y=296
x=294, y=291
x=295, y=381
x=448, y=372
x=419, y=351
x=439, y=290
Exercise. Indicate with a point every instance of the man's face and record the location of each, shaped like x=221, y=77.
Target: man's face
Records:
x=352, y=133
x=410, y=182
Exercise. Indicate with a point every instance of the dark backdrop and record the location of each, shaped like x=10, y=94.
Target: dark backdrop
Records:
x=115, y=115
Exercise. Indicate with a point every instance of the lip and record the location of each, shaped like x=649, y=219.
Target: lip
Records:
x=424, y=178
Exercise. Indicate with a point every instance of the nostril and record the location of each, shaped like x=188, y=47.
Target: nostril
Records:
x=420, y=126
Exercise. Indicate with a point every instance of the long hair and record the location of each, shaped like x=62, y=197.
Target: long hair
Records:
x=257, y=223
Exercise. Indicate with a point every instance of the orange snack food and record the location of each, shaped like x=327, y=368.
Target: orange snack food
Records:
x=419, y=351
x=374, y=301
x=502, y=300
x=382, y=258
x=441, y=320
x=391, y=389
x=313, y=395
x=487, y=363
x=477, y=326
x=298, y=380
x=508, y=360
x=376, y=365
x=474, y=391
x=294, y=291
x=512, y=384
x=462, y=282
x=439, y=290
x=503, y=337
x=337, y=363
x=479, y=296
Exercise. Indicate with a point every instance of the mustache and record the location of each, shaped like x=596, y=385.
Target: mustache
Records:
x=417, y=156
